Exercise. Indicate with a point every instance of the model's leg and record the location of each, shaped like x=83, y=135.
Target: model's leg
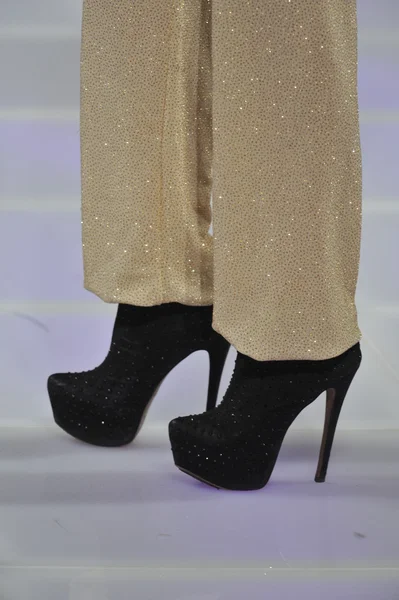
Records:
x=287, y=201
x=146, y=163
x=287, y=171
x=146, y=151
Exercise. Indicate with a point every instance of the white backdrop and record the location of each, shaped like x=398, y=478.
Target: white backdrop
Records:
x=49, y=323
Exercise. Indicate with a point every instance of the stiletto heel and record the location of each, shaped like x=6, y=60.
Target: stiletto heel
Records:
x=235, y=446
x=334, y=401
x=218, y=350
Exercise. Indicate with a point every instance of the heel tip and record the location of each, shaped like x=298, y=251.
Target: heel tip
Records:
x=320, y=478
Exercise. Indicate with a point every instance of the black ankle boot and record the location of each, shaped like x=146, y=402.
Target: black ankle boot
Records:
x=106, y=406
x=236, y=445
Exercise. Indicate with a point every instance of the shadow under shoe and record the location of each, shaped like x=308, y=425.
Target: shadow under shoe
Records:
x=236, y=445
x=107, y=405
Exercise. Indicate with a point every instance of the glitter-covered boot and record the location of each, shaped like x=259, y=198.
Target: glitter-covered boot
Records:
x=107, y=405
x=236, y=445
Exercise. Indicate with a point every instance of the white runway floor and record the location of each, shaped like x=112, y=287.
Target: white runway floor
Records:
x=86, y=523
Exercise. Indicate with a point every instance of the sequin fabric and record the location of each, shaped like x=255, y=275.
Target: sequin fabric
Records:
x=106, y=406
x=255, y=101
x=146, y=151
x=236, y=445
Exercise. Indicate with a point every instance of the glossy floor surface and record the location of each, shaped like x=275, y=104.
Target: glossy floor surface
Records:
x=86, y=523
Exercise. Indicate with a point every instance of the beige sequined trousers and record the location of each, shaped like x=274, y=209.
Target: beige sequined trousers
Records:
x=254, y=102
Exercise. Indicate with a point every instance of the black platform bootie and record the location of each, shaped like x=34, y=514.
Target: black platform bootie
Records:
x=107, y=405
x=236, y=445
